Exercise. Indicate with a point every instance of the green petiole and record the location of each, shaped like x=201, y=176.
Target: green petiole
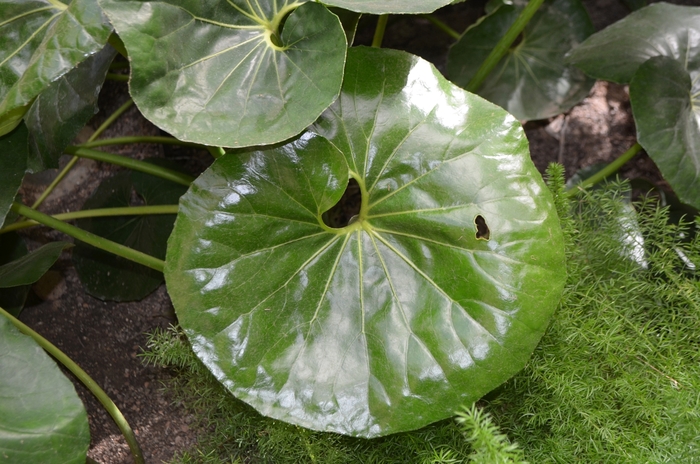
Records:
x=379, y=31
x=101, y=212
x=90, y=238
x=138, y=139
x=503, y=45
x=442, y=26
x=608, y=170
x=86, y=380
x=64, y=172
x=136, y=165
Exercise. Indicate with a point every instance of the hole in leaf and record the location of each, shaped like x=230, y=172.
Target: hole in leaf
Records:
x=341, y=214
x=482, y=230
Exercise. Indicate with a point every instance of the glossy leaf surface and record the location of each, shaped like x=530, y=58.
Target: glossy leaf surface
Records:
x=63, y=109
x=661, y=29
x=220, y=73
x=13, y=163
x=389, y=6
x=531, y=81
x=110, y=277
x=12, y=247
x=41, y=40
x=29, y=268
x=42, y=420
x=665, y=100
x=436, y=294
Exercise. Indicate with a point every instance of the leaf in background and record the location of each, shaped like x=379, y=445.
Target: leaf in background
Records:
x=12, y=247
x=29, y=268
x=41, y=40
x=63, y=109
x=42, y=420
x=389, y=6
x=216, y=73
x=531, y=81
x=665, y=100
x=107, y=276
x=13, y=163
x=615, y=53
x=349, y=20
x=435, y=295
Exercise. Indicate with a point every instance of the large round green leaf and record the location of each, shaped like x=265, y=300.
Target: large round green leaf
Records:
x=389, y=6
x=661, y=29
x=531, y=81
x=42, y=420
x=41, y=40
x=220, y=73
x=665, y=100
x=435, y=294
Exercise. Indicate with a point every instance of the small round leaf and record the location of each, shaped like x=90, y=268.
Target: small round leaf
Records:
x=435, y=294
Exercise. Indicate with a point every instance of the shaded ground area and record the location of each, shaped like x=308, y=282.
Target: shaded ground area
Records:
x=105, y=338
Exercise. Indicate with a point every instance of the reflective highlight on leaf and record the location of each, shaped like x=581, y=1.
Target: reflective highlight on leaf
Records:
x=388, y=323
x=42, y=40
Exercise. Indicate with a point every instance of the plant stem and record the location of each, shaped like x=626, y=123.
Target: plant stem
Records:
x=136, y=165
x=86, y=380
x=117, y=77
x=379, y=31
x=608, y=170
x=138, y=139
x=100, y=212
x=90, y=238
x=442, y=26
x=64, y=172
x=216, y=152
x=503, y=45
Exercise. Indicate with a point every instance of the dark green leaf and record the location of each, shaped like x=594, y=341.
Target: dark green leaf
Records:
x=42, y=420
x=531, y=81
x=63, y=109
x=435, y=294
x=349, y=20
x=13, y=163
x=615, y=53
x=29, y=268
x=110, y=277
x=665, y=100
x=41, y=40
x=220, y=73
x=12, y=247
x=389, y=6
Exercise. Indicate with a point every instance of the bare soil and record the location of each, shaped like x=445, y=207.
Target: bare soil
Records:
x=105, y=338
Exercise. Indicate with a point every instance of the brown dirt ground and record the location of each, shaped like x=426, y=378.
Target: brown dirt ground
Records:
x=105, y=338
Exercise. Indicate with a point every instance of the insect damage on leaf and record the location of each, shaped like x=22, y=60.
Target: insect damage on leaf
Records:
x=482, y=230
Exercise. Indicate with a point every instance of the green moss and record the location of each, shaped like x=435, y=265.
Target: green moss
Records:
x=615, y=379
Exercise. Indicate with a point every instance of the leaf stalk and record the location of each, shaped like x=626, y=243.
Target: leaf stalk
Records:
x=90, y=238
x=86, y=380
x=503, y=45
x=608, y=170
